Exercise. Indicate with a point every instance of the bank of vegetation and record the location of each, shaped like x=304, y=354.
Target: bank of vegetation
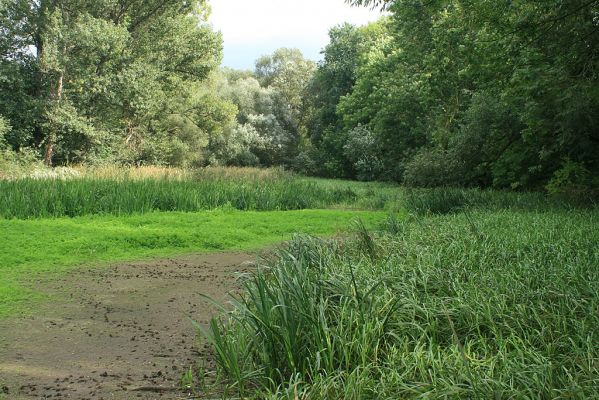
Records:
x=443, y=303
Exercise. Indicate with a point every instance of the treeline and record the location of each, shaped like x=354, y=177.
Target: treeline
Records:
x=138, y=82
x=437, y=92
x=471, y=93
x=109, y=81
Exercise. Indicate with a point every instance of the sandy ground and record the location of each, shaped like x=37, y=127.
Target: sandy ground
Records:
x=120, y=332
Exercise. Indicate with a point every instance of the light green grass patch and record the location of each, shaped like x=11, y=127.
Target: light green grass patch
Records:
x=41, y=246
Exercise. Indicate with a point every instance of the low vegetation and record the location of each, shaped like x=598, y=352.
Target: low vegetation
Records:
x=458, y=293
x=483, y=304
x=119, y=191
x=83, y=191
x=35, y=198
x=51, y=246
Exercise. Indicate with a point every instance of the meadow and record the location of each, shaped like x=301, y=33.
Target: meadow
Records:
x=55, y=220
x=135, y=192
x=47, y=248
x=377, y=292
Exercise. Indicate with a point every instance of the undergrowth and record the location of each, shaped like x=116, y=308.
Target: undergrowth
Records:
x=484, y=304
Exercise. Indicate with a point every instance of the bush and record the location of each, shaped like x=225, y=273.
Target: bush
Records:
x=4, y=129
x=484, y=151
x=363, y=151
x=574, y=181
x=14, y=165
x=431, y=168
x=238, y=146
x=305, y=162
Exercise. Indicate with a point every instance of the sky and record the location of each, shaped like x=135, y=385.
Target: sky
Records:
x=252, y=28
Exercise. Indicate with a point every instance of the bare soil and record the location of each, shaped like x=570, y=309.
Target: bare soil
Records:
x=117, y=332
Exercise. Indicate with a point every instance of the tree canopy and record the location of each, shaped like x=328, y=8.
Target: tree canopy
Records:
x=477, y=93
x=437, y=92
x=106, y=78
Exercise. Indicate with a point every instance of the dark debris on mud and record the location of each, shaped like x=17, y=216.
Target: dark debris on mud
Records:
x=118, y=332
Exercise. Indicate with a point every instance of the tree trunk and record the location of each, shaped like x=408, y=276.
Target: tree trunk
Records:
x=56, y=96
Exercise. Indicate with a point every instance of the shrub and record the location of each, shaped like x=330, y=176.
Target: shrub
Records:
x=363, y=151
x=431, y=168
x=14, y=165
x=4, y=129
x=574, y=182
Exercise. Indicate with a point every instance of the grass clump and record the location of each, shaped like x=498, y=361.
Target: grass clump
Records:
x=437, y=312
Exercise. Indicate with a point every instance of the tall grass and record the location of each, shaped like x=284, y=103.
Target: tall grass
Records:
x=436, y=312
x=83, y=190
x=31, y=198
x=451, y=200
x=116, y=172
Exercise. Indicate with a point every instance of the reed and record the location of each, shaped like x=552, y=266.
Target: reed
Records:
x=43, y=198
x=436, y=312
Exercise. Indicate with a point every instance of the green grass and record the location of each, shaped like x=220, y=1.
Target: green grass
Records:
x=485, y=304
x=51, y=198
x=30, y=198
x=49, y=246
x=469, y=294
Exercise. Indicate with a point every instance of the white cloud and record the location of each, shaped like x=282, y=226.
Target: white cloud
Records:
x=251, y=27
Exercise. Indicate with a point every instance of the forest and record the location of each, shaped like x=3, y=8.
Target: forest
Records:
x=436, y=93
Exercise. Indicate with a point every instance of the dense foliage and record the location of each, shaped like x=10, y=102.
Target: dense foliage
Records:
x=446, y=92
x=115, y=81
x=476, y=93
x=138, y=82
x=268, y=129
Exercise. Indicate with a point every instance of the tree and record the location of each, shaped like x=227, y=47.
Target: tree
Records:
x=505, y=90
x=383, y=4
x=265, y=130
x=288, y=74
x=349, y=49
x=105, y=77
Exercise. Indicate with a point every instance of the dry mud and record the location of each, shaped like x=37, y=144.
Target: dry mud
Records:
x=117, y=332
